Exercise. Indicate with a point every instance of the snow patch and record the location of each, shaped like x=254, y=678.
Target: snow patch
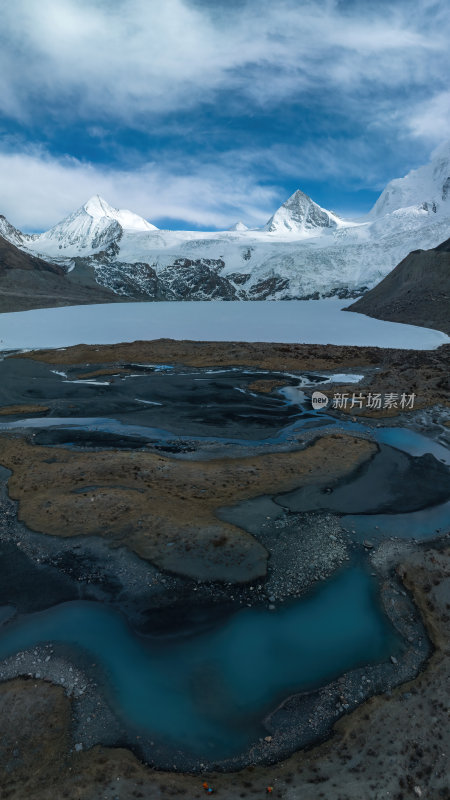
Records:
x=343, y=377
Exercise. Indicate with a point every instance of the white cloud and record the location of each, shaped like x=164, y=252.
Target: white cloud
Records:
x=132, y=57
x=135, y=62
x=36, y=191
x=431, y=119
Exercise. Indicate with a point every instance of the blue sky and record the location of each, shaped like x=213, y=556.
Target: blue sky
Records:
x=196, y=113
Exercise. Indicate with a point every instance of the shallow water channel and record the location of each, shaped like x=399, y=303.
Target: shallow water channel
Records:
x=206, y=692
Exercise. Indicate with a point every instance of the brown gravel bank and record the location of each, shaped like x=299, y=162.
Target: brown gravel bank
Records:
x=426, y=373
x=266, y=385
x=22, y=409
x=163, y=508
x=267, y=355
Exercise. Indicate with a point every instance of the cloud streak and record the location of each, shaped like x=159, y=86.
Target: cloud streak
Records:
x=210, y=110
x=135, y=57
x=37, y=191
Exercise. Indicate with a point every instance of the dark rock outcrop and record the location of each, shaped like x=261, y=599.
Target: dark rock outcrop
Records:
x=417, y=291
x=195, y=280
x=13, y=258
x=29, y=282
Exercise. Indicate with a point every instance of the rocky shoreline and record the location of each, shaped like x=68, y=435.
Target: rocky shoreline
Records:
x=300, y=721
x=153, y=597
x=345, y=765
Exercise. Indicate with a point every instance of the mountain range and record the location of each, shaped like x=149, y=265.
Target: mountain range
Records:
x=302, y=252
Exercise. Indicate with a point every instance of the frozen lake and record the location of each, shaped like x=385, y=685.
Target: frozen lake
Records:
x=301, y=321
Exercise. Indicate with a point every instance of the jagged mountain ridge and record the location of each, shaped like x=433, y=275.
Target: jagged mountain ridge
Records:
x=12, y=234
x=303, y=251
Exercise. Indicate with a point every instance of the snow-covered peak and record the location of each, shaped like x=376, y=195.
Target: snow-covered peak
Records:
x=97, y=208
x=238, y=226
x=427, y=187
x=94, y=226
x=300, y=215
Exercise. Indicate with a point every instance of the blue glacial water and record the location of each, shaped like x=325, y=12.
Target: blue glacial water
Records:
x=425, y=524
x=412, y=442
x=207, y=693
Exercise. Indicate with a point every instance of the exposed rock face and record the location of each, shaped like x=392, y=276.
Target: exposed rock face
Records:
x=417, y=291
x=195, y=280
x=30, y=282
x=130, y=281
x=268, y=287
x=185, y=279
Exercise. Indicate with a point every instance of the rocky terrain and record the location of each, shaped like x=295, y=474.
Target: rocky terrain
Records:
x=422, y=372
x=27, y=281
x=154, y=496
x=395, y=745
x=131, y=442
x=417, y=291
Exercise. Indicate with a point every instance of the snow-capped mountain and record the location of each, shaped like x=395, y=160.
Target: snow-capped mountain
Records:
x=303, y=251
x=301, y=215
x=94, y=226
x=12, y=234
x=238, y=226
x=427, y=187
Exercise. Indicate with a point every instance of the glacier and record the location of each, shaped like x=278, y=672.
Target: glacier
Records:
x=303, y=252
